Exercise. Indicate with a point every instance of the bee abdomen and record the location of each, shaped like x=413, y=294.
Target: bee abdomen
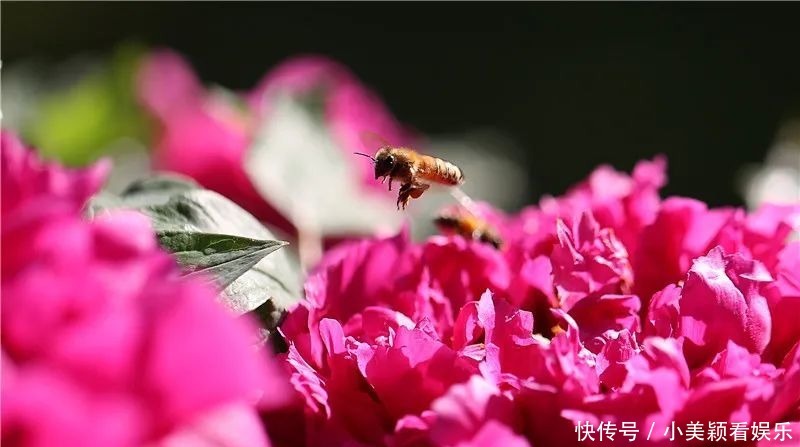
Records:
x=448, y=172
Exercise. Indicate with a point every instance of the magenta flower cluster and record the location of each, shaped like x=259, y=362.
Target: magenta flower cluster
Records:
x=103, y=343
x=608, y=306
x=610, y=316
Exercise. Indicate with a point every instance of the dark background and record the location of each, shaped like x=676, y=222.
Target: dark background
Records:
x=576, y=84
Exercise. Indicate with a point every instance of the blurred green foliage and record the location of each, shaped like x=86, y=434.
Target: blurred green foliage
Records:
x=81, y=123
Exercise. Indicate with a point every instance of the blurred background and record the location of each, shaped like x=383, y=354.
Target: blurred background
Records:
x=532, y=96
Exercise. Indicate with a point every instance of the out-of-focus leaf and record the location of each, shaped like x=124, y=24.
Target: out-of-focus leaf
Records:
x=158, y=189
x=78, y=124
x=211, y=234
x=297, y=166
x=149, y=191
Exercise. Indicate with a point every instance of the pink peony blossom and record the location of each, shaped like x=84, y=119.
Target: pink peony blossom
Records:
x=626, y=204
x=783, y=297
x=588, y=261
x=723, y=299
x=459, y=271
x=592, y=276
x=411, y=359
x=621, y=205
x=473, y=414
x=604, y=306
x=103, y=343
x=28, y=180
x=469, y=409
x=683, y=230
x=388, y=350
x=764, y=232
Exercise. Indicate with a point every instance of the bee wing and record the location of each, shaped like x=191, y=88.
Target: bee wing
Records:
x=372, y=141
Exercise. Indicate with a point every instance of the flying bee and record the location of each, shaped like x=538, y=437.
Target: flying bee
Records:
x=413, y=170
x=467, y=225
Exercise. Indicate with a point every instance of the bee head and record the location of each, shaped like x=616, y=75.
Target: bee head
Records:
x=384, y=163
x=446, y=221
x=491, y=239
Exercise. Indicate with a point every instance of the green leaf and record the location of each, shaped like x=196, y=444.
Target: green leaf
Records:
x=214, y=237
x=219, y=256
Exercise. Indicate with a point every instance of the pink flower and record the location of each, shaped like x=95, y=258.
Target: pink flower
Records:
x=735, y=361
x=27, y=180
x=766, y=230
x=588, y=261
x=663, y=317
x=592, y=276
x=494, y=433
x=360, y=390
x=355, y=414
x=344, y=286
x=33, y=190
x=683, y=230
x=467, y=412
x=459, y=271
x=723, y=299
x=623, y=203
x=532, y=288
x=103, y=343
x=392, y=336
x=603, y=306
x=617, y=350
x=429, y=281
x=412, y=359
x=785, y=405
x=784, y=303
x=474, y=414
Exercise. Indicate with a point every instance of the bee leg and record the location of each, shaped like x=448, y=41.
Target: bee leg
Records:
x=390, y=183
x=417, y=189
x=403, y=195
x=410, y=191
x=402, y=201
